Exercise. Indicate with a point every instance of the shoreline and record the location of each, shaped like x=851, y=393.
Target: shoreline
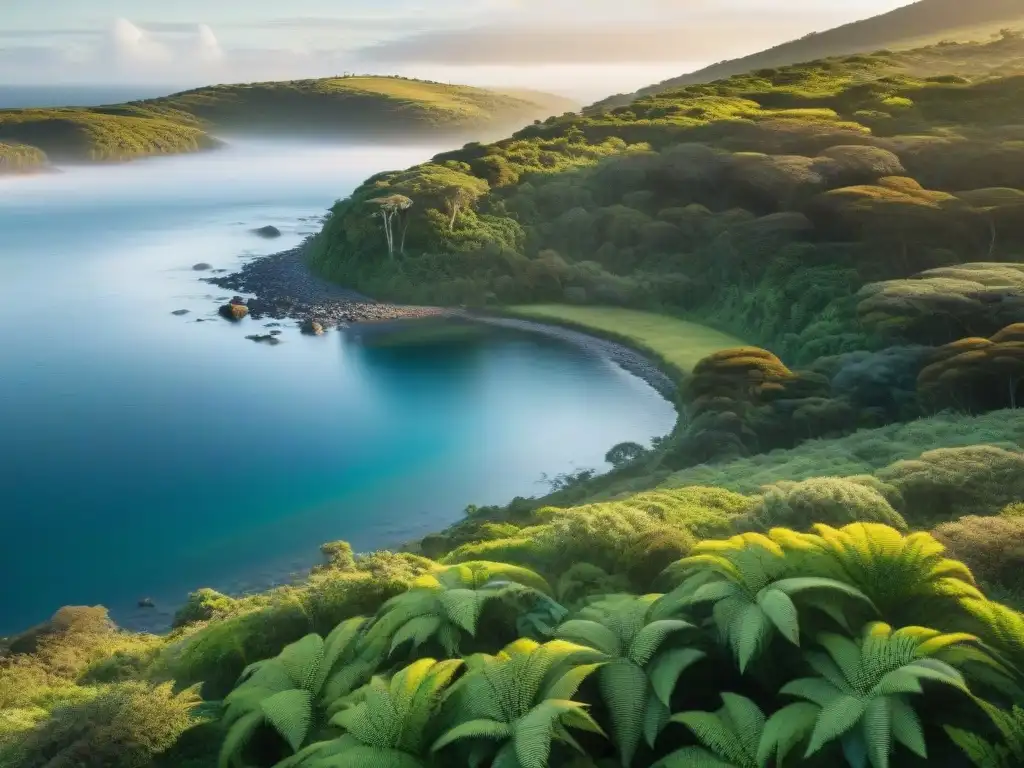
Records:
x=283, y=288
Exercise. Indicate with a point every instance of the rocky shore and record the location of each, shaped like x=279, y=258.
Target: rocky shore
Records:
x=284, y=288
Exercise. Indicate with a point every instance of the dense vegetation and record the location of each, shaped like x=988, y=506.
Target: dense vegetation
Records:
x=345, y=107
x=821, y=566
x=19, y=158
x=911, y=26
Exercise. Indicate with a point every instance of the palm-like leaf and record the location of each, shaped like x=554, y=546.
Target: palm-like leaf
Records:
x=512, y=706
x=287, y=691
x=446, y=605
x=902, y=575
x=739, y=736
x=620, y=627
x=1007, y=753
x=756, y=588
x=864, y=693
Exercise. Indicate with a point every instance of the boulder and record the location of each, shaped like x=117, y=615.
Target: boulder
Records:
x=268, y=232
x=202, y=266
x=234, y=312
x=312, y=327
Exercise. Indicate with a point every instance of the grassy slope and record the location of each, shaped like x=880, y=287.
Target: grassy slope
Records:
x=678, y=343
x=919, y=24
x=377, y=106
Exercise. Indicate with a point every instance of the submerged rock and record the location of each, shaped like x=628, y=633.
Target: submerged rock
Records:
x=265, y=339
x=202, y=266
x=147, y=602
x=268, y=231
x=180, y=312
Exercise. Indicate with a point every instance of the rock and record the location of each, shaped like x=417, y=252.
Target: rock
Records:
x=272, y=325
x=311, y=327
x=202, y=266
x=234, y=312
x=147, y=602
x=276, y=333
x=237, y=300
x=268, y=232
x=265, y=339
x=180, y=312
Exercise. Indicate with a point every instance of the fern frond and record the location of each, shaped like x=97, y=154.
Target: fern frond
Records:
x=667, y=668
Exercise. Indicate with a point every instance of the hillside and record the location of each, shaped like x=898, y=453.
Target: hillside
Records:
x=843, y=214
x=351, y=107
x=821, y=566
x=922, y=23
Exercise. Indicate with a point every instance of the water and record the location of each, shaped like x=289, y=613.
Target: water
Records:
x=145, y=454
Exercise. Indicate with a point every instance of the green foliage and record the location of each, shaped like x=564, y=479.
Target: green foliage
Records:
x=864, y=687
x=637, y=681
x=20, y=158
x=125, y=725
x=286, y=692
x=829, y=500
x=992, y=547
x=520, y=703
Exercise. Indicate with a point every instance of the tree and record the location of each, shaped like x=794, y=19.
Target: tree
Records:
x=388, y=208
x=977, y=374
x=941, y=305
x=624, y=454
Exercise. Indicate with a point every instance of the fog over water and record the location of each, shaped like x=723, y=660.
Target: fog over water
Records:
x=146, y=454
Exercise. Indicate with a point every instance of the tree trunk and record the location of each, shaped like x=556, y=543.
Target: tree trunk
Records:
x=405, y=228
x=455, y=212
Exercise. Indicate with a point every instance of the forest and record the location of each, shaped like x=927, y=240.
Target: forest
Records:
x=822, y=565
x=348, y=107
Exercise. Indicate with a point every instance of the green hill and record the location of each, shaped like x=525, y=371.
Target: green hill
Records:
x=821, y=566
x=351, y=107
x=919, y=24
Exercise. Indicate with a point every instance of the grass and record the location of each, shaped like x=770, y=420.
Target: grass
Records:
x=679, y=344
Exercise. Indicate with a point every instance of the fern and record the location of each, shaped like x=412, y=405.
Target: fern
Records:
x=739, y=736
x=446, y=605
x=621, y=629
x=907, y=578
x=863, y=697
x=756, y=589
x=984, y=754
x=516, y=705
x=288, y=692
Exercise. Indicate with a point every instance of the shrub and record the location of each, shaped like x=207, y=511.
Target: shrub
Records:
x=992, y=547
x=120, y=726
x=830, y=500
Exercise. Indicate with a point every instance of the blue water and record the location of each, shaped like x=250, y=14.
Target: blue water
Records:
x=144, y=454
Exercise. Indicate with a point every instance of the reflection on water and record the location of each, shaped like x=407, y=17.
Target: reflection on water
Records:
x=147, y=454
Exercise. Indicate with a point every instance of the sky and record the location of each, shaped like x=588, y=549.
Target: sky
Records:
x=581, y=48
